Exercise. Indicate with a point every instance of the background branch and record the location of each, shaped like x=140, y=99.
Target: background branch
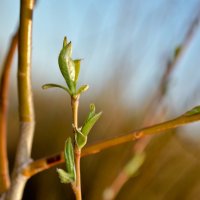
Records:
x=4, y=89
x=155, y=111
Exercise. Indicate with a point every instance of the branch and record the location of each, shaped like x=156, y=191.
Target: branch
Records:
x=154, y=112
x=48, y=162
x=77, y=152
x=26, y=112
x=4, y=88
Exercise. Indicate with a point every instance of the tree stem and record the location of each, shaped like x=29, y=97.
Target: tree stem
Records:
x=77, y=152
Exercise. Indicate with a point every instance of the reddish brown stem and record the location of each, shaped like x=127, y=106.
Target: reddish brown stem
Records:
x=4, y=90
x=77, y=152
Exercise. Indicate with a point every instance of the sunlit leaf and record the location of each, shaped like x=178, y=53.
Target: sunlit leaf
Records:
x=67, y=66
x=134, y=164
x=52, y=85
x=64, y=176
x=91, y=120
x=65, y=42
x=69, y=158
x=82, y=89
x=193, y=111
x=81, y=139
x=177, y=51
x=92, y=111
x=77, y=68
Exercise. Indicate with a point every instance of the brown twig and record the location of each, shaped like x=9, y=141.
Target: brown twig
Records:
x=48, y=162
x=4, y=89
x=152, y=117
x=77, y=152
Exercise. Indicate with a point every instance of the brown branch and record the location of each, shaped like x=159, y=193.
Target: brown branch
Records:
x=48, y=162
x=4, y=90
x=154, y=112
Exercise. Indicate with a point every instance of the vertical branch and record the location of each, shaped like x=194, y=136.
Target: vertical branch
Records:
x=26, y=111
x=77, y=152
x=4, y=87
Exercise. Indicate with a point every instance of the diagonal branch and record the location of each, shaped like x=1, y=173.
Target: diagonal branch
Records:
x=4, y=89
x=156, y=110
x=48, y=162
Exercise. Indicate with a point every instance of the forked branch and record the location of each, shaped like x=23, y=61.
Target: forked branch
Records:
x=48, y=162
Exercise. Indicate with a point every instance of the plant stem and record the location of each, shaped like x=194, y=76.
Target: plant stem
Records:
x=77, y=152
x=26, y=110
x=78, y=173
x=151, y=130
x=4, y=88
x=50, y=161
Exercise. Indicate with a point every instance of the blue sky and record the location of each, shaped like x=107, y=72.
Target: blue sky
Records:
x=134, y=38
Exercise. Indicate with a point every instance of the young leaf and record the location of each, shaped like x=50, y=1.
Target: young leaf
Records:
x=64, y=176
x=52, y=85
x=77, y=68
x=92, y=111
x=81, y=139
x=82, y=89
x=91, y=120
x=69, y=158
x=65, y=41
x=193, y=111
x=67, y=66
x=134, y=164
x=177, y=51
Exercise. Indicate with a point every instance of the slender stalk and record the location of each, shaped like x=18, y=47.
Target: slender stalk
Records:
x=78, y=174
x=48, y=162
x=77, y=152
x=4, y=89
x=26, y=111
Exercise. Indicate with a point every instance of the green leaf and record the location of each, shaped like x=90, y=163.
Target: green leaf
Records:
x=177, y=51
x=69, y=158
x=81, y=139
x=67, y=65
x=77, y=69
x=65, y=41
x=64, y=176
x=92, y=111
x=193, y=111
x=134, y=164
x=82, y=89
x=52, y=85
x=91, y=120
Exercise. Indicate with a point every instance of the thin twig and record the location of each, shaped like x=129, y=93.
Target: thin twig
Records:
x=4, y=89
x=77, y=152
x=50, y=161
x=26, y=111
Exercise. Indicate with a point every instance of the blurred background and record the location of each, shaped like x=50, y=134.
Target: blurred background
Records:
x=126, y=47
